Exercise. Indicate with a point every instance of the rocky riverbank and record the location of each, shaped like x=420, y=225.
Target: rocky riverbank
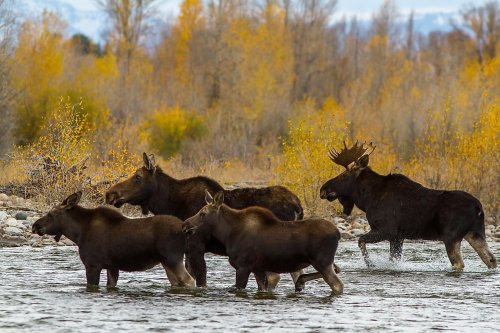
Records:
x=17, y=215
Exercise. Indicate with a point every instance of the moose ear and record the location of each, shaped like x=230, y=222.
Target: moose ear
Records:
x=362, y=162
x=72, y=200
x=219, y=198
x=152, y=160
x=208, y=197
x=148, y=161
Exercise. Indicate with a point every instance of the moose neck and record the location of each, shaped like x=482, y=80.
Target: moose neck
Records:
x=367, y=186
x=227, y=218
x=73, y=225
x=163, y=196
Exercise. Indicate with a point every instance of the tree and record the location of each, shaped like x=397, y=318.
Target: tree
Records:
x=484, y=23
x=129, y=22
x=85, y=45
x=39, y=67
x=308, y=21
x=7, y=25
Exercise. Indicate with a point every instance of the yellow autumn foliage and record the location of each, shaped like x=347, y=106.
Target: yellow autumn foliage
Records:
x=305, y=165
x=264, y=74
x=55, y=162
x=454, y=159
x=166, y=129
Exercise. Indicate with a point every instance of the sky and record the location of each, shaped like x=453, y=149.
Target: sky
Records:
x=84, y=15
x=358, y=7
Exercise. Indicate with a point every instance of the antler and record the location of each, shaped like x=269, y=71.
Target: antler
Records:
x=349, y=155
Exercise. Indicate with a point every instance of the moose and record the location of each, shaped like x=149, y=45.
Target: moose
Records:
x=157, y=192
x=108, y=240
x=257, y=242
x=398, y=208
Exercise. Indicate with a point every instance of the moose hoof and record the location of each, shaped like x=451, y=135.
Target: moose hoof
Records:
x=299, y=285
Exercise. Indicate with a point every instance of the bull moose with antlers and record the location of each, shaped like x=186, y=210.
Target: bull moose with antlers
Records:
x=398, y=208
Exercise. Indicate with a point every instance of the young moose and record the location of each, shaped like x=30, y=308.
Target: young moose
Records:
x=108, y=240
x=398, y=208
x=257, y=241
x=157, y=192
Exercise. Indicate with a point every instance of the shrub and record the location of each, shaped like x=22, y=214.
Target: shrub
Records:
x=305, y=165
x=463, y=159
x=56, y=161
x=166, y=129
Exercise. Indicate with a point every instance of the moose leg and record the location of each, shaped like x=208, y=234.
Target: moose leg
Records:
x=295, y=275
x=182, y=276
x=198, y=267
x=113, y=274
x=172, y=278
x=262, y=280
x=272, y=280
x=396, y=249
x=453, y=250
x=301, y=281
x=93, y=274
x=370, y=237
x=333, y=280
x=479, y=245
x=336, y=268
x=242, y=276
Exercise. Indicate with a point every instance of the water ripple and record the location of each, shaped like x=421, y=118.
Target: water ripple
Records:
x=44, y=289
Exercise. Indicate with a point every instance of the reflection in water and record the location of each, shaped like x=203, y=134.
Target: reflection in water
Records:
x=44, y=289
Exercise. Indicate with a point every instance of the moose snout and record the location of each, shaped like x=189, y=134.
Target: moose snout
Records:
x=187, y=228
x=37, y=229
x=114, y=198
x=110, y=197
x=328, y=195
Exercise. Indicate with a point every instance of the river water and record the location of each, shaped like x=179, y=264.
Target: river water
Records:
x=43, y=290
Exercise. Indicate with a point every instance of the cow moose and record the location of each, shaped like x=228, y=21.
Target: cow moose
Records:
x=398, y=208
x=257, y=242
x=157, y=192
x=108, y=240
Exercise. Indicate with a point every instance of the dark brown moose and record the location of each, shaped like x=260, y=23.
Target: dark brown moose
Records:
x=258, y=242
x=159, y=193
x=398, y=208
x=108, y=240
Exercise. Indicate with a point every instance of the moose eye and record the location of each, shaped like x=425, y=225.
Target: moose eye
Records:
x=138, y=178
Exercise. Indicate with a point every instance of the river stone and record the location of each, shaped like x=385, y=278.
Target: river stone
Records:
x=361, y=221
x=28, y=223
x=346, y=236
x=357, y=232
x=342, y=227
x=3, y=216
x=13, y=231
x=338, y=220
x=48, y=241
x=356, y=225
x=11, y=222
x=21, y=215
x=4, y=197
